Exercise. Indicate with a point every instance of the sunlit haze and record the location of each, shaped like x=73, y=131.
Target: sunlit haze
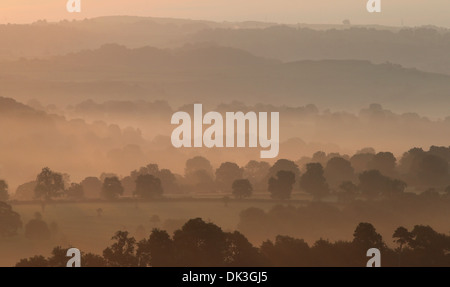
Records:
x=394, y=12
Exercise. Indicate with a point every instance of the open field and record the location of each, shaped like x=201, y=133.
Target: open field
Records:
x=80, y=226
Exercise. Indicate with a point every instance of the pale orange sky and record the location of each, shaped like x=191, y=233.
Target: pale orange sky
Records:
x=411, y=12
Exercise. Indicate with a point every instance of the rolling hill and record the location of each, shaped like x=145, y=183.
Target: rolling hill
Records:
x=214, y=74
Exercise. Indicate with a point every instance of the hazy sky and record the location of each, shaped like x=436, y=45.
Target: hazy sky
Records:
x=411, y=12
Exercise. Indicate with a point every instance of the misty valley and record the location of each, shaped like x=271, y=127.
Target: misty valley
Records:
x=153, y=142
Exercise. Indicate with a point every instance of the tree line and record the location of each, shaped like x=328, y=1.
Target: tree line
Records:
x=366, y=174
x=200, y=243
x=35, y=229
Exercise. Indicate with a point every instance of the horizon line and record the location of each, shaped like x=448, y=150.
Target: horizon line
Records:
x=269, y=23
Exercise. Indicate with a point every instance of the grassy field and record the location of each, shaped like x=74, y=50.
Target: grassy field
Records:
x=80, y=226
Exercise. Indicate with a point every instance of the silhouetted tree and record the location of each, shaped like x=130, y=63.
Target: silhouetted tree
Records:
x=37, y=229
x=198, y=163
x=242, y=188
x=366, y=237
x=226, y=174
x=93, y=260
x=257, y=173
x=4, y=196
x=9, y=220
x=201, y=181
x=366, y=150
x=409, y=159
x=25, y=191
x=432, y=170
x=440, y=151
x=49, y=184
x=157, y=251
x=323, y=249
x=240, y=252
x=105, y=175
x=402, y=237
x=129, y=185
x=281, y=186
x=285, y=165
x=347, y=191
x=313, y=181
x=395, y=187
x=384, y=162
x=360, y=161
x=75, y=191
x=35, y=261
x=92, y=187
x=168, y=181
x=338, y=170
x=286, y=251
x=199, y=243
x=372, y=184
x=112, y=188
x=320, y=157
x=148, y=186
x=59, y=257
x=122, y=252
x=424, y=168
x=151, y=168
x=426, y=239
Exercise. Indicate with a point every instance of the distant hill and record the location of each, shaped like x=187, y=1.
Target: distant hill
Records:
x=31, y=140
x=44, y=39
x=424, y=48
x=211, y=74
